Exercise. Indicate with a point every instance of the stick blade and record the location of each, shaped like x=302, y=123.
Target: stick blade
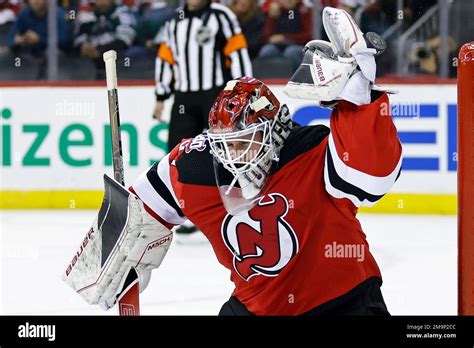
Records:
x=129, y=302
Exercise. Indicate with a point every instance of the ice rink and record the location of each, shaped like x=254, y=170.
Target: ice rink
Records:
x=417, y=256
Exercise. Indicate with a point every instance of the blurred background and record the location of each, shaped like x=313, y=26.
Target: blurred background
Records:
x=55, y=140
x=423, y=36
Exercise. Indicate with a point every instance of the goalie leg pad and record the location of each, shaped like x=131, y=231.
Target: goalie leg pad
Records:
x=123, y=235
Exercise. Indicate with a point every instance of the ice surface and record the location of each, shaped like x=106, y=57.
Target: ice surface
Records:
x=417, y=256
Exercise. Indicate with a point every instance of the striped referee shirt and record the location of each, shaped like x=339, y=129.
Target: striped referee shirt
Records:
x=200, y=50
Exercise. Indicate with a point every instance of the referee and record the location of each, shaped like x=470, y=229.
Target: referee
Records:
x=202, y=48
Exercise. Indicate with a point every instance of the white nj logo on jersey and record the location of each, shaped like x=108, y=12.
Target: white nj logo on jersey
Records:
x=261, y=240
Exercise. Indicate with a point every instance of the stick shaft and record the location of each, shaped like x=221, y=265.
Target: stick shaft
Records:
x=110, y=58
x=129, y=304
x=117, y=156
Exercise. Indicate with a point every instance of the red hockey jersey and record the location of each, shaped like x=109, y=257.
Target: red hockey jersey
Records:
x=301, y=245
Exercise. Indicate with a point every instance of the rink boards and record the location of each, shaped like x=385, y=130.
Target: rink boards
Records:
x=55, y=145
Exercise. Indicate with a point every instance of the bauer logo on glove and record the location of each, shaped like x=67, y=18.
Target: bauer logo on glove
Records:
x=343, y=68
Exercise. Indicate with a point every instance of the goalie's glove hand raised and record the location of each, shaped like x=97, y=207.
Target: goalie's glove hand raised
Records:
x=341, y=69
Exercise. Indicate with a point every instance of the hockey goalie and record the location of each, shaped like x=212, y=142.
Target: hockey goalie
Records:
x=276, y=200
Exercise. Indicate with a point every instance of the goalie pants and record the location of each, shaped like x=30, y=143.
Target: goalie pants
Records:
x=365, y=299
x=189, y=114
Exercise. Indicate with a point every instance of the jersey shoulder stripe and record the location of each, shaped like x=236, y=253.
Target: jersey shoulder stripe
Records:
x=161, y=188
x=154, y=188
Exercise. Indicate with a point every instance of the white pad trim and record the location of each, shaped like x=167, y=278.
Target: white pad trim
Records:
x=142, y=244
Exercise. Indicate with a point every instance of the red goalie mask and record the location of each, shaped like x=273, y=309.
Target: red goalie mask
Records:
x=241, y=103
x=241, y=122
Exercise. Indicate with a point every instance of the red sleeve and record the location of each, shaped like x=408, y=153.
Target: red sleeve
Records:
x=265, y=6
x=306, y=33
x=364, y=154
x=367, y=136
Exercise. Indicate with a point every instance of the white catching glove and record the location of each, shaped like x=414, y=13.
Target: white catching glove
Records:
x=343, y=68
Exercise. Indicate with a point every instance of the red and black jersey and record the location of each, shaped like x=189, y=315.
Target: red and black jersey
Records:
x=301, y=245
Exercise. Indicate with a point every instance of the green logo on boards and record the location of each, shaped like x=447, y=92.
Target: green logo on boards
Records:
x=36, y=136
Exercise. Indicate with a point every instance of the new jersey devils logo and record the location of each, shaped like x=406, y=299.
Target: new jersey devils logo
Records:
x=261, y=240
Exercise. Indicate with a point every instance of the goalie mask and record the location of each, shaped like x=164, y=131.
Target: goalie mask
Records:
x=247, y=128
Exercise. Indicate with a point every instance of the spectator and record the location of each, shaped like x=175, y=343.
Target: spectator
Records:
x=150, y=21
x=414, y=9
x=337, y=3
x=85, y=5
x=251, y=21
x=202, y=48
x=30, y=32
x=426, y=56
x=137, y=4
x=8, y=10
x=287, y=28
x=107, y=27
x=379, y=16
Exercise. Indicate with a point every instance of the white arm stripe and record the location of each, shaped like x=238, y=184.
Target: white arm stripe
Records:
x=150, y=197
x=375, y=185
x=247, y=63
x=236, y=71
x=164, y=174
x=340, y=194
x=225, y=26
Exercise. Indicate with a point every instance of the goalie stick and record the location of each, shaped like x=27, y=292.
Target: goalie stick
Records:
x=129, y=301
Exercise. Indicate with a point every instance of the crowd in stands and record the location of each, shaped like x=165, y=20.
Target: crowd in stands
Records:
x=87, y=28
